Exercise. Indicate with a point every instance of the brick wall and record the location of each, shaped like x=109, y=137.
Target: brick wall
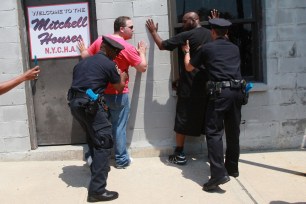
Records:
x=275, y=117
x=14, y=127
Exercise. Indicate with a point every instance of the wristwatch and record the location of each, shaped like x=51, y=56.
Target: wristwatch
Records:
x=185, y=52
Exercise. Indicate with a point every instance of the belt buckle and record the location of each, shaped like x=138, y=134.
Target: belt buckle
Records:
x=235, y=83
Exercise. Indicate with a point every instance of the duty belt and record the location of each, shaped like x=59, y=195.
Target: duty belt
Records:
x=216, y=86
x=77, y=94
x=225, y=84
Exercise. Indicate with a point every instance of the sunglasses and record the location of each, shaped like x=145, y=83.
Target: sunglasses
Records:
x=130, y=27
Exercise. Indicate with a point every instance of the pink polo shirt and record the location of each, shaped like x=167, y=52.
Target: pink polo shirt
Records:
x=127, y=57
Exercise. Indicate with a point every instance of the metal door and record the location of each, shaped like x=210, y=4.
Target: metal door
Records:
x=54, y=122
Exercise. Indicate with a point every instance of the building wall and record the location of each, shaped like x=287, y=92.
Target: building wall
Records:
x=275, y=117
x=14, y=125
x=151, y=120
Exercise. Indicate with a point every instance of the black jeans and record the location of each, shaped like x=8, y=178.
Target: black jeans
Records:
x=99, y=132
x=223, y=113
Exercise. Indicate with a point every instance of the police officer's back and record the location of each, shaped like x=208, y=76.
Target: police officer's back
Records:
x=225, y=88
x=90, y=78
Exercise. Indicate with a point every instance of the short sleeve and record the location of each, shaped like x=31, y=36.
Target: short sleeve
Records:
x=94, y=48
x=174, y=42
x=131, y=55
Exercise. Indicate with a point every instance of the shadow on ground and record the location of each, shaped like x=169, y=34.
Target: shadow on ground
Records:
x=76, y=176
x=196, y=169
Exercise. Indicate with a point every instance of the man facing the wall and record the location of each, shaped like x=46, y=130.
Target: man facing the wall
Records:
x=191, y=101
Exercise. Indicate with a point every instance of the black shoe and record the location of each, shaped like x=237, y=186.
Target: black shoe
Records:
x=106, y=196
x=232, y=171
x=233, y=174
x=178, y=158
x=214, y=183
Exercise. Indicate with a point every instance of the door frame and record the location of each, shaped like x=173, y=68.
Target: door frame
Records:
x=24, y=41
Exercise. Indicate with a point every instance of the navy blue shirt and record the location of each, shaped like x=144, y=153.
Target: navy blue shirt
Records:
x=196, y=37
x=221, y=58
x=95, y=73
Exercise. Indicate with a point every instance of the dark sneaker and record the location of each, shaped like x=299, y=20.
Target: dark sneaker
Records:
x=106, y=196
x=178, y=158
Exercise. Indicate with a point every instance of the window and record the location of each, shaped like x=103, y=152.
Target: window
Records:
x=245, y=32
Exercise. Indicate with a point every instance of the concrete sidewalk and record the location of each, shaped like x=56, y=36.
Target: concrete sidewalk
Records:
x=265, y=177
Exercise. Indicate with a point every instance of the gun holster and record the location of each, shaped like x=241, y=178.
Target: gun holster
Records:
x=92, y=107
x=211, y=89
x=245, y=97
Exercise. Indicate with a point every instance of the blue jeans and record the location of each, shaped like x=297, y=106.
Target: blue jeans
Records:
x=119, y=109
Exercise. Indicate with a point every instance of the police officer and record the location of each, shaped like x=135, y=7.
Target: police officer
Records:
x=95, y=73
x=222, y=60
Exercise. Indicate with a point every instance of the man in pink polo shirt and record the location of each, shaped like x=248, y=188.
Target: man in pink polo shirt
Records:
x=118, y=103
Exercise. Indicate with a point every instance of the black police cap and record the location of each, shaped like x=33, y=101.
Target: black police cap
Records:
x=219, y=23
x=112, y=43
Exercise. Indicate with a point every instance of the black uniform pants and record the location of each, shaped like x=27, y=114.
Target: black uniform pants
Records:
x=99, y=131
x=223, y=113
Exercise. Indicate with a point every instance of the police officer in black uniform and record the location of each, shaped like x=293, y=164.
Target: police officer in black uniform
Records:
x=94, y=73
x=225, y=88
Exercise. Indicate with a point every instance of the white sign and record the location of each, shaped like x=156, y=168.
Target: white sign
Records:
x=55, y=30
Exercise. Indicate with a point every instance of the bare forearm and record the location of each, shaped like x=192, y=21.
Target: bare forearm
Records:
x=141, y=49
x=30, y=74
x=143, y=65
x=85, y=54
x=153, y=28
x=158, y=40
x=188, y=66
x=8, y=85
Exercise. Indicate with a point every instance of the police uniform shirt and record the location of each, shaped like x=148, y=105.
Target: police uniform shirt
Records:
x=95, y=72
x=221, y=58
x=196, y=37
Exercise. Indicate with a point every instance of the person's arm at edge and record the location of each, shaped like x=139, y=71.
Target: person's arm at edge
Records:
x=141, y=49
x=10, y=84
x=153, y=30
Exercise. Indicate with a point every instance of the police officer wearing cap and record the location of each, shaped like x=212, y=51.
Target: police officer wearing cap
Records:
x=222, y=60
x=94, y=73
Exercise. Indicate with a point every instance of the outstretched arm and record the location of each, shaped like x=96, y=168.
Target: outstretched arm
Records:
x=153, y=30
x=10, y=84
